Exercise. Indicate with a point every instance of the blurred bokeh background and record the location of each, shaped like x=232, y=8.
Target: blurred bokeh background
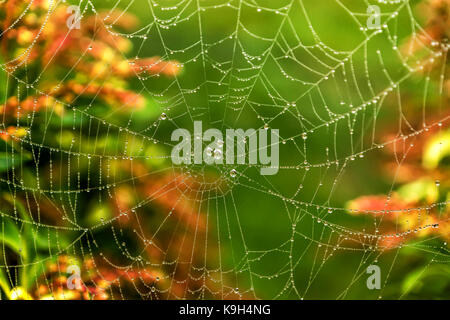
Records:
x=87, y=180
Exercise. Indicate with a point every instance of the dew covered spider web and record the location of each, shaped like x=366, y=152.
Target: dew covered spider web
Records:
x=311, y=69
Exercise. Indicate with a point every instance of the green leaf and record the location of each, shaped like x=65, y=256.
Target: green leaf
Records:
x=34, y=271
x=19, y=206
x=4, y=283
x=3, y=82
x=48, y=238
x=412, y=280
x=422, y=278
x=422, y=189
x=9, y=160
x=27, y=223
x=10, y=236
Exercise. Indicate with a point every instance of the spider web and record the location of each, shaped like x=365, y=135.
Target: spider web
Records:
x=245, y=64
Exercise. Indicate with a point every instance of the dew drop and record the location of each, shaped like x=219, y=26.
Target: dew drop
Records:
x=217, y=154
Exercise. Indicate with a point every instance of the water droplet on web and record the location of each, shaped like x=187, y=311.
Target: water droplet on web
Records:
x=163, y=116
x=217, y=154
x=233, y=173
